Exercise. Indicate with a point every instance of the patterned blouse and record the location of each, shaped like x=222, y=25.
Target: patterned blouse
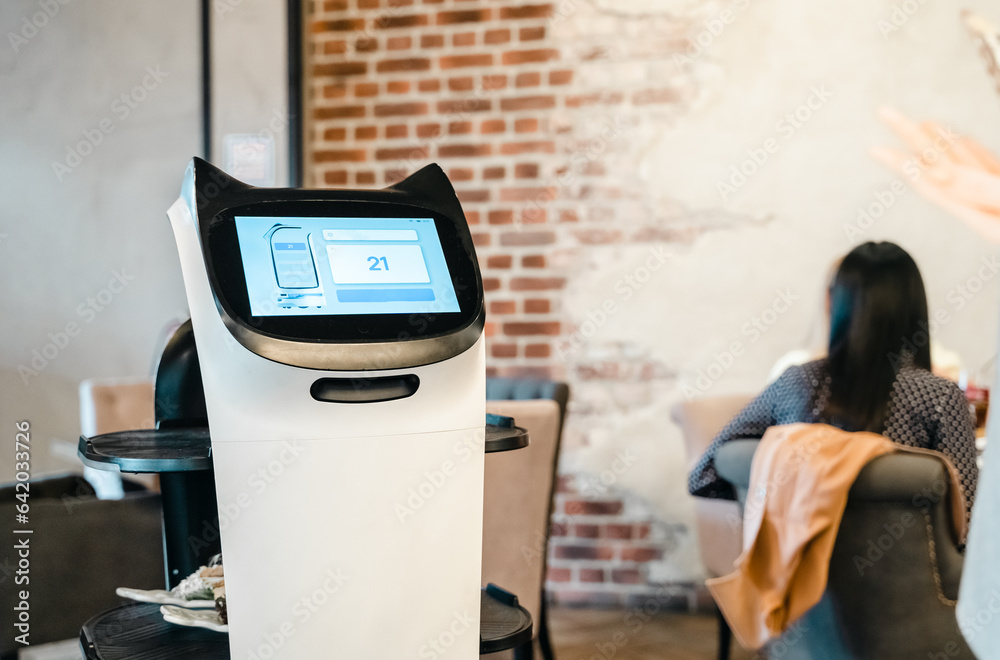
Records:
x=924, y=411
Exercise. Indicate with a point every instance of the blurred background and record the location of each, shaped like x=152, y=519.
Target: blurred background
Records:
x=657, y=189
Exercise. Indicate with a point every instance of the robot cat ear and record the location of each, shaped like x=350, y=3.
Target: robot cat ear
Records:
x=431, y=185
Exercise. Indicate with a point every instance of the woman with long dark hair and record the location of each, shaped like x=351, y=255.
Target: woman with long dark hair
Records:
x=876, y=376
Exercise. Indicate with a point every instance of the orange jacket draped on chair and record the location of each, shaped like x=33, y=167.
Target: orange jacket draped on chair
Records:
x=799, y=482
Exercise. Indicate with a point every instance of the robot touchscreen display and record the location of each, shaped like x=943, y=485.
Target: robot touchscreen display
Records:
x=309, y=266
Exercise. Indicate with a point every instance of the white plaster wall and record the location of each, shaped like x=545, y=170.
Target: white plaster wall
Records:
x=760, y=67
x=63, y=241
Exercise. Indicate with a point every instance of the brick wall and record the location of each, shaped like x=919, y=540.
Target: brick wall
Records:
x=537, y=112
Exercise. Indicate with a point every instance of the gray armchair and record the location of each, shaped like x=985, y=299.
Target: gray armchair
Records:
x=895, y=569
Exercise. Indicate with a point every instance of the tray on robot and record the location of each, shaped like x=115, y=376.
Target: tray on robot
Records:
x=137, y=631
x=186, y=449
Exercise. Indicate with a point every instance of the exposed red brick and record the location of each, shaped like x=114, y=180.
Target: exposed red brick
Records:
x=402, y=153
x=526, y=125
x=461, y=84
x=365, y=133
x=526, y=171
x=594, y=507
x=493, y=82
x=500, y=217
x=568, y=216
x=339, y=155
x=528, y=103
x=597, y=98
x=368, y=4
x=366, y=44
x=501, y=36
x=459, y=127
x=463, y=39
x=473, y=196
x=627, y=576
x=582, y=552
x=463, y=16
x=398, y=3
x=335, y=5
x=534, y=214
x=390, y=22
x=531, y=33
x=535, y=261
x=341, y=69
x=431, y=41
x=528, y=79
x=502, y=306
x=405, y=64
x=510, y=239
x=642, y=531
x=522, y=328
x=537, y=306
x=460, y=61
x=537, y=351
x=618, y=531
x=591, y=574
x=397, y=131
x=464, y=150
x=536, y=194
x=365, y=178
x=367, y=89
x=334, y=91
x=491, y=284
x=584, y=531
x=526, y=11
x=493, y=126
x=503, y=350
x=400, y=109
x=398, y=87
x=339, y=112
x=648, y=96
x=537, y=283
x=542, y=146
x=428, y=130
x=461, y=174
x=559, y=528
x=339, y=25
x=524, y=56
x=399, y=43
x=557, y=574
x=335, y=134
x=335, y=178
x=491, y=173
x=460, y=106
x=431, y=85
x=641, y=554
x=482, y=239
x=333, y=47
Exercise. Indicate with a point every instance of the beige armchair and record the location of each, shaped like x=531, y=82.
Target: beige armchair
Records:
x=719, y=522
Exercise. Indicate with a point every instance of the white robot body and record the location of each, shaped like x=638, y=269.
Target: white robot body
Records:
x=348, y=529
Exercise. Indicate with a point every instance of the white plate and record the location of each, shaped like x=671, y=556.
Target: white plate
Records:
x=193, y=618
x=162, y=597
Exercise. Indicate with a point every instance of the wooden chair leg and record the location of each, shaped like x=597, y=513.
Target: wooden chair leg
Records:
x=725, y=635
x=544, y=643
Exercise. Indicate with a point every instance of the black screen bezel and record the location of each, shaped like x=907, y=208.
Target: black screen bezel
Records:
x=224, y=262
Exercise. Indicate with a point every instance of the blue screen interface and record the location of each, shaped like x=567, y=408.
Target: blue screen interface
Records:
x=318, y=266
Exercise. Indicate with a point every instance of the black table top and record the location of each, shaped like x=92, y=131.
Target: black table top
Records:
x=188, y=449
x=137, y=631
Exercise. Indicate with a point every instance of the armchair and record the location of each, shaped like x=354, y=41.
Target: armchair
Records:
x=895, y=569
